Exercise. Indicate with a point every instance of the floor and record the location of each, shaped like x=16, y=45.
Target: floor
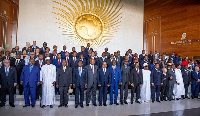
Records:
x=187, y=107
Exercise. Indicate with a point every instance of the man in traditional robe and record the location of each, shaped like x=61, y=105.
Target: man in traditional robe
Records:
x=179, y=90
x=145, y=92
x=48, y=79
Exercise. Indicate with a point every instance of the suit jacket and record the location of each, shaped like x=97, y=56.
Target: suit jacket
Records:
x=72, y=63
x=135, y=78
x=10, y=79
x=80, y=80
x=109, y=62
x=96, y=61
x=195, y=77
x=156, y=76
x=37, y=63
x=84, y=54
x=169, y=74
x=117, y=75
x=87, y=49
x=18, y=66
x=9, y=58
x=68, y=60
x=186, y=76
x=64, y=79
x=142, y=62
x=33, y=49
x=101, y=77
x=125, y=73
x=91, y=78
x=42, y=50
x=32, y=77
x=55, y=62
x=84, y=62
x=100, y=61
x=141, y=57
x=63, y=54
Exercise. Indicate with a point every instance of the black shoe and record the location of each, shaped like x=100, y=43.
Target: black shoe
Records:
x=104, y=105
x=60, y=105
x=87, y=104
x=66, y=105
x=25, y=105
x=158, y=101
x=51, y=106
x=12, y=105
x=42, y=106
x=94, y=104
x=121, y=103
x=100, y=104
x=1, y=105
x=125, y=102
x=33, y=106
x=76, y=106
x=117, y=103
x=177, y=98
x=131, y=102
x=82, y=106
x=138, y=102
x=111, y=103
x=152, y=101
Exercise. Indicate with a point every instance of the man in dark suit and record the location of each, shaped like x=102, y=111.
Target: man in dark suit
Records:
x=8, y=80
x=186, y=79
x=7, y=56
x=156, y=82
x=63, y=52
x=141, y=56
x=164, y=86
x=136, y=80
x=17, y=51
x=39, y=63
x=34, y=46
x=71, y=53
x=43, y=49
x=103, y=82
x=81, y=57
x=27, y=46
x=30, y=79
x=91, y=82
x=109, y=60
x=83, y=53
x=107, y=53
x=18, y=64
x=79, y=83
x=63, y=81
x=102, y=59
x=58, y=61
x=74, y=61
x=145, y=60
x=88, y=48
x=125, y=71
x=150, y=57
x=171, y=80
x=116, y=80
x=67, y=58
x=93, y=57
x=195, y=82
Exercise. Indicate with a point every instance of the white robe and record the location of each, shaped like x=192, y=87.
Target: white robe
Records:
x=179, y=89
x=48, y=76
x=145, y=91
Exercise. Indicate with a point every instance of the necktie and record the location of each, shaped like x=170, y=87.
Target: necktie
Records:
x=74, y=60
x=104, y=70
x=114, y=70
x=64, y=51
x=137, y=71
x=7, y=57
x=58, y=62
x=66, y=61
x=6, y=71
x=92, y=69
x=16, y=63
x=80, y=71
x=31, y=67
x=40, y=63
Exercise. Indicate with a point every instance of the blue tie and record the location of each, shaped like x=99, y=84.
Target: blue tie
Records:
x=80, y=72
x=31, y=67
x=6, y=71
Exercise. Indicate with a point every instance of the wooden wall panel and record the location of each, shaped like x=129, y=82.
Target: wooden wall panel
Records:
x=177, y=17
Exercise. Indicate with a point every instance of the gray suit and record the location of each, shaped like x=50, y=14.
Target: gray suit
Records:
x=64, y=79
x=171, y=83
x=125, y=81
x=91, y=84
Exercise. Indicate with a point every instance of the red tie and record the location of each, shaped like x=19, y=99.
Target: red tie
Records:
x=58, y=62
x=92, y=70
x=66, y=61
x=40, y=63
x=64, y=51
x=114, y=70
x=7, y=58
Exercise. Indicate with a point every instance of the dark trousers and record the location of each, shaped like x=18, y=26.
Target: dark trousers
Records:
x=195, y=90
x=114, y=87
x=103, y=93
x=29, y=91
x=170, y=91
x=135, y=89
x=79, y=91
x=38, y=91
x=163, y=91
x=11, y=94
x=123, y=92
x=186, y=89
x=91, y=91
x=63, y=95
x=155, y=90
